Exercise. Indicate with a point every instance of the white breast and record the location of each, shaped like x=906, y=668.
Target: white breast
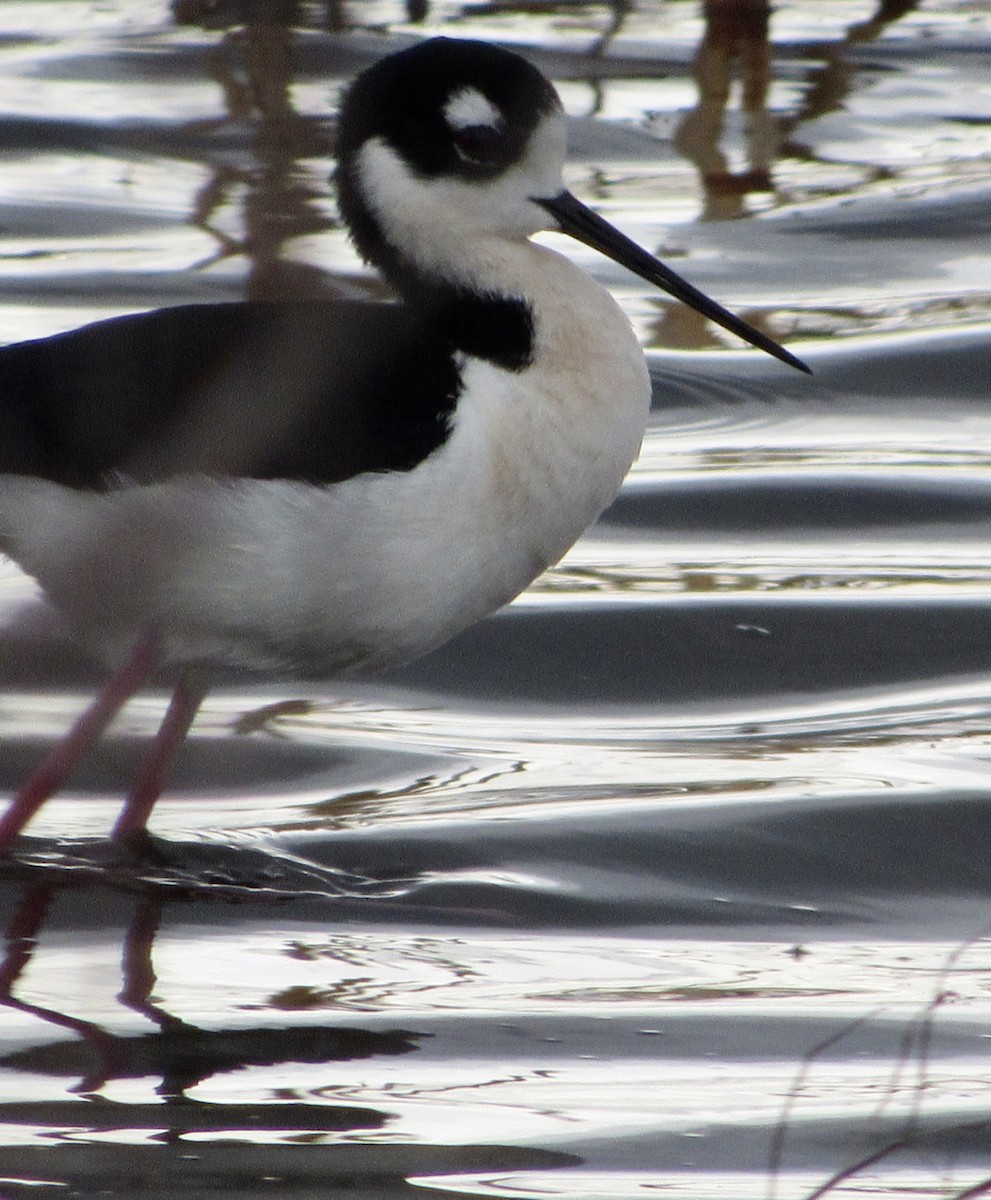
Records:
x=374, y=571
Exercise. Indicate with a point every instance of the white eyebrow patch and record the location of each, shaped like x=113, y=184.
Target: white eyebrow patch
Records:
x=469, y=107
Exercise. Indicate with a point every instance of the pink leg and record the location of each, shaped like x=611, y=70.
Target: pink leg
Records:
x=148, y=783
x=52, y=773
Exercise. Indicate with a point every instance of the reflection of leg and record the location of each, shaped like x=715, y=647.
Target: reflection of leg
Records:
x=64, y=757
x=22, y=934
x=138, y=969
x=147, y=786
x=20, y=940
x=139, y=981
x=139, y=974
x=887, y=12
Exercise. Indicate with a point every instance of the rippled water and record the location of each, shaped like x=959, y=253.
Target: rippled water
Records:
x=671, y=879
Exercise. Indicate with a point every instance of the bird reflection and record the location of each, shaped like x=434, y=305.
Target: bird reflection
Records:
x=736, y=35
x=253, y=67
x=736, y=46
x=332, y=15
x=886, y=13
x=181, y=1054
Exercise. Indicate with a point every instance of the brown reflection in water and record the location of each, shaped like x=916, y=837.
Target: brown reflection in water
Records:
x=736, y=35
x=887, y=12
x=253, y=66
x=224, y=13
x=736, y=42
x=335, y=16
x=830, y=84
x=281, y=200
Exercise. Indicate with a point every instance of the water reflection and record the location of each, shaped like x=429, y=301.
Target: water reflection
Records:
x=253, y=66
x=674, y=869
x=734, y=33
x=283, y=200
x=886, y=13
x=336, y=16
x=522, y=1036
x=180, y=1053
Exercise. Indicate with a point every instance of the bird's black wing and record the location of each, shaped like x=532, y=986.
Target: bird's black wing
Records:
x=315, y=391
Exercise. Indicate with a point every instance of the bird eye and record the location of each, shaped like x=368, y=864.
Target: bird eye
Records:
x=478, y=145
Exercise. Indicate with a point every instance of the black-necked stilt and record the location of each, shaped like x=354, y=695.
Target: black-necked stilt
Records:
x=330, y=487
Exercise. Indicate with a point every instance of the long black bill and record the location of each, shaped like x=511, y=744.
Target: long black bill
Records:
x=582, y=223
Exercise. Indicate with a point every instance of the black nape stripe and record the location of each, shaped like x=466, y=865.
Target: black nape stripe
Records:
x=482, y=324
x=495, y=328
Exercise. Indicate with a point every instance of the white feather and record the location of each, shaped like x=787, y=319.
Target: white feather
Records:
x=469, y=106
x=378, y=569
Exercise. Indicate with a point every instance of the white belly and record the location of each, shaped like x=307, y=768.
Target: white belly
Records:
x=377, y=570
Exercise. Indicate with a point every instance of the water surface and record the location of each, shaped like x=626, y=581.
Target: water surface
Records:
x=672, y=878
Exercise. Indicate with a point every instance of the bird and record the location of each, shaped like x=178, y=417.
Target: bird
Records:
x=327, y=487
